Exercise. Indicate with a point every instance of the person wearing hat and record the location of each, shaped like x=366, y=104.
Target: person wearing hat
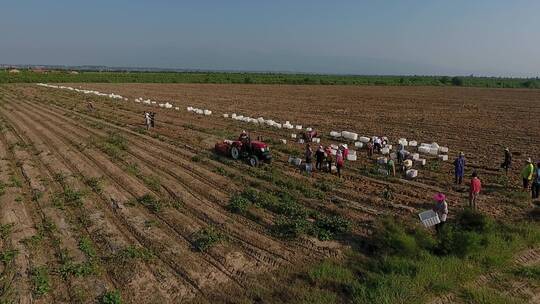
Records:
x=507, y=160
x=536, y=184
x=459, y=168
x=474, y=190
x=319, y=157
x=441, y=208
x=527, y=174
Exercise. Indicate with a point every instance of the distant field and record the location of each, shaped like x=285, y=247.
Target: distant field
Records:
x=265, y=78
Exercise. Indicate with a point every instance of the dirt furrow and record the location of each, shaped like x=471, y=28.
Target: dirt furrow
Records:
x=146, y=283
x=199, y=278
x=210, y=205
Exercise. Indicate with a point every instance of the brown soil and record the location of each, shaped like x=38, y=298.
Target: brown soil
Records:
x=47, y=134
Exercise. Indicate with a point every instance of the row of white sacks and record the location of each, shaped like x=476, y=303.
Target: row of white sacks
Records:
x=111, y=95
x=262, y=121
x=199, y=111
x=166, y=105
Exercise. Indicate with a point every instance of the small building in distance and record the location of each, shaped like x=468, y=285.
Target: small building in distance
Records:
x=13, y=71
x=74, y=72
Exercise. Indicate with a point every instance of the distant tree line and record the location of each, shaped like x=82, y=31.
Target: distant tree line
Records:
x=28, y=76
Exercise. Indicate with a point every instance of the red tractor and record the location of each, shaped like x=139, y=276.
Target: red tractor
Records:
x=254, y=151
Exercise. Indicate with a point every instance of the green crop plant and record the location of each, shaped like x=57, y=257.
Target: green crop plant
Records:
x=205, y=238
x=238, y=204
x=7, y=256
x=111, y=297
x=151, y=202
x=39, y=277
x=5, y=230
x=94, y=183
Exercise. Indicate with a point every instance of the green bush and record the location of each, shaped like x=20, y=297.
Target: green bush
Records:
x=111, y=297
x=206, y=238
x=289, y=228
x=238, y=204
x=329, y=226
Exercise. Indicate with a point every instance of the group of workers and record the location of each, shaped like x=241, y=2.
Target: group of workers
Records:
x=530, y=176
x=324, y=158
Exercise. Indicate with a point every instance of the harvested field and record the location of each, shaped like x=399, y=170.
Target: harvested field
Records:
x=96, y=203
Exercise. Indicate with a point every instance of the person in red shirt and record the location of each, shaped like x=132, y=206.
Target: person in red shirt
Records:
x=474, y=192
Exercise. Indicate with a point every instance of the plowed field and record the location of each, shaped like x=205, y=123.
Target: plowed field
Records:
x=92, y=202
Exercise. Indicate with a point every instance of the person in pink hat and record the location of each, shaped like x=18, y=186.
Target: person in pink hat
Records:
x=441, y=208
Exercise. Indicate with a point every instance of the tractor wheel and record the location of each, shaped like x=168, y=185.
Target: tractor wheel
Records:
x=235, y=153
x=253, y=161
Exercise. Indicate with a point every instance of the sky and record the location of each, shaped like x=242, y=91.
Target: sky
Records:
x=383, y=37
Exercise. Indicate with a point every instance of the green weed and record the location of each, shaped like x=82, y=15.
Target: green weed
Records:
x=15, y=182
x=205, y=238
x=238, y=204
x=86, y=246
x=5, y=230
x=111, y=297
x=94, y=183
x=153, y=182
x=150, y=202
x=7, y=256
x=40, y=280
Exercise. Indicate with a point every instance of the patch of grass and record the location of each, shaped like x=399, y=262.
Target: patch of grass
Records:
x=93, y=183
x=485, y=295
x=2, y=188
x=520, y=198
x=7, y=256
x=221, y=171
x=5, y=230
x=133, y=252
x=40, y=280
x=327, y=227
x=111, y=297
x=15, y=182
x=153, y=182
x=238, y=204
x=290, y=227
x=114, y=145
x=151, y=202
x=86, y=246
x=207, y=237
x=529, y=272
x=68, y=197
x=18, y=199
x=133, y=169
x=196, y=158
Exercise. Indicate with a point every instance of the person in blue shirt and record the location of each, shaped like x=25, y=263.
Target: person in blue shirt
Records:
x=459, y=168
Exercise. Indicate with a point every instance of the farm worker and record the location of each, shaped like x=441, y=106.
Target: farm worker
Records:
x=339, y=162
x=309, y=157
x=391, y=167
x=344, y=150
x=507, y=160
x=474, y=191
x=319, y=155
x=328, y=153
x=377, y=144
x=441, y=208
x=536, y=183
x=400, y=154
x=407, y=164
x=459, y=168
x=370, y=148
x=147, y=120
x=245, y=140
x=527, y=174
x=152, y=119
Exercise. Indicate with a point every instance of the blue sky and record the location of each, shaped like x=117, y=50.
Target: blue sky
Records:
x=458, y=37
